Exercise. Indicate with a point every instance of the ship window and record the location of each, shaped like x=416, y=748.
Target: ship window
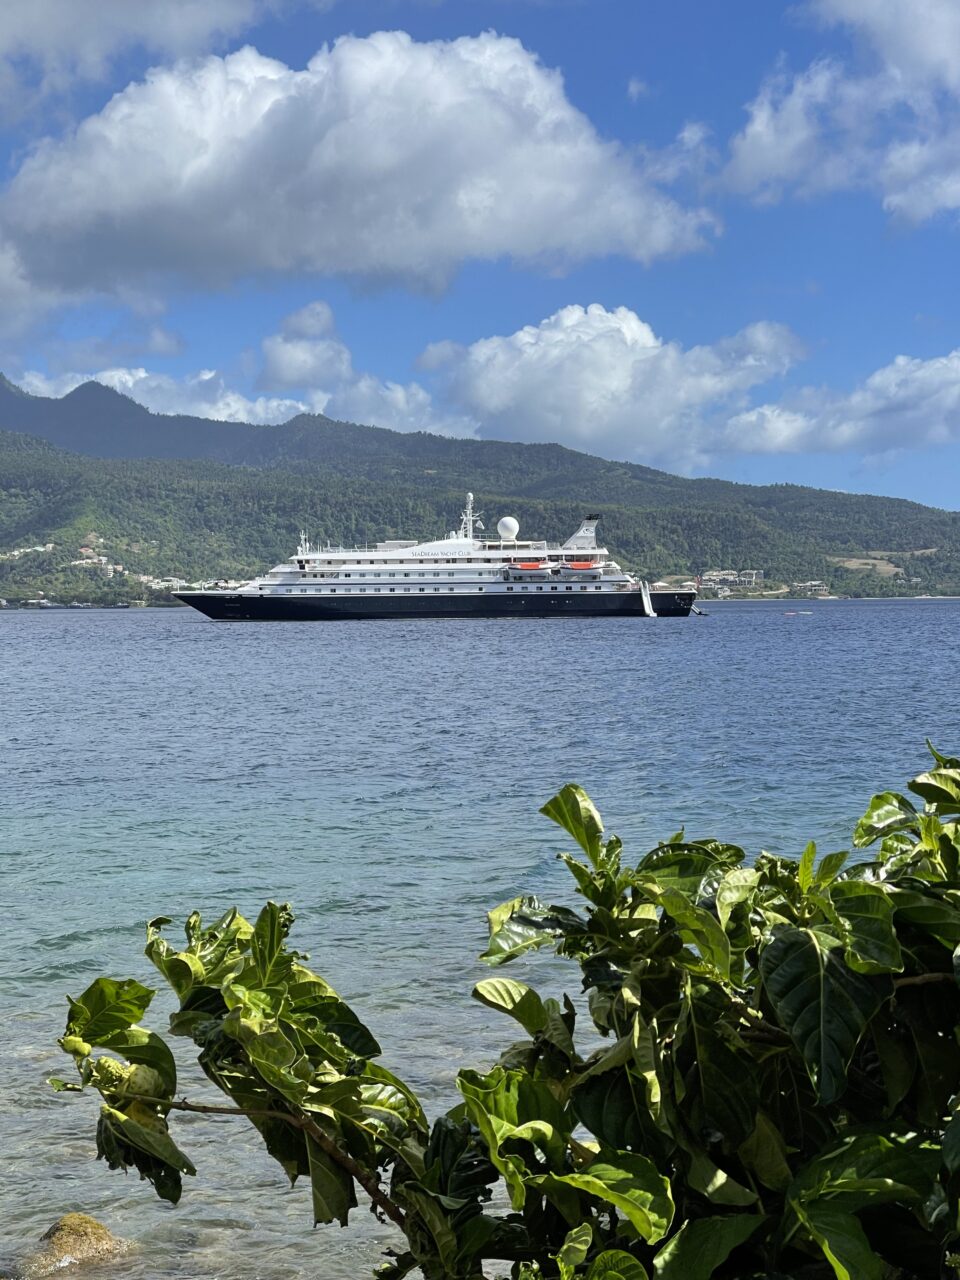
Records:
x=596, y=588
x=303, y=591
x=523, y=588
x=287, y=589
x=346, y=575
x=314, y=575
x=333, y=591
x=553, y=588
x=406, y=575
x=569, y=588
x=480, y=588
x=436, y=588
x=377, y=589
x=422, y=589
x=583, y=588
x=391, y=588
x=406, y=588
x=509, y=588
x=392, y=575
x=361, y=589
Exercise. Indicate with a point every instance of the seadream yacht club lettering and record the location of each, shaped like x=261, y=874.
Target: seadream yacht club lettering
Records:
x=463, y=575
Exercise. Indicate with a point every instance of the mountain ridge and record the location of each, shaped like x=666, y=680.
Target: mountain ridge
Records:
x=185, y=496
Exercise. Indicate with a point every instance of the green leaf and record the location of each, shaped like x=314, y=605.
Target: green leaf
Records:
x=821, y=1003
x=736, y=887
x=940, y=787
x=108, y=1005
x=574, y=1250
x=615, y=1264
x=155, y=1140
x=524, y=924
x=765, y=1154
x=830, y=866
x=630, y=1183
x=509, y=1106
x=865, y=1169
x=931, y=910
x=572, y=809
x=700, y=1246
x=865, y=913
x=886, y=813
x=267, y=943
x=331, y=1187
x=705, y=1176
x=721, y=1083
x=843, y=1242
x=699, y=928
x=513, y=998
x=143, y=1047
x=805, y=871
x=695, y=870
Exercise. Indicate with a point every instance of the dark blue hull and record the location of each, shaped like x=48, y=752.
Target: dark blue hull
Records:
x=225, y=606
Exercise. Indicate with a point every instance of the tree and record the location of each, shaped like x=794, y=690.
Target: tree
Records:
x=774, y=1092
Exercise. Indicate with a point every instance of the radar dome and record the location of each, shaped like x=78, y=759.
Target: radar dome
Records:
x=508, y=528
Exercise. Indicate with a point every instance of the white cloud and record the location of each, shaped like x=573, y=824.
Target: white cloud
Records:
x=603, y=381
x=587, y=377
x=919, y=38
x=637, y=89
x=892, y=127
x=908, y=404
x=204, y=394
x=309, y=357
x=48, y=45
x=306, y=353
x=384, y=159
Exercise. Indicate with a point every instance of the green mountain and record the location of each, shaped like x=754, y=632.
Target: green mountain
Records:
x=190, y=497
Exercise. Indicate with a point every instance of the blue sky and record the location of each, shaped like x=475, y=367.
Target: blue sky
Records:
x=719, y=239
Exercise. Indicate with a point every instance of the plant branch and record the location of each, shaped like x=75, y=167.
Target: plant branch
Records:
x=309, y=1126
x=918, y=979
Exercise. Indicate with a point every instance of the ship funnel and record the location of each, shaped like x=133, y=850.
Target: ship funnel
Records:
x=585, y=539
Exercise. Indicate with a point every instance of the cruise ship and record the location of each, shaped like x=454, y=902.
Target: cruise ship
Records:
x=463, y=575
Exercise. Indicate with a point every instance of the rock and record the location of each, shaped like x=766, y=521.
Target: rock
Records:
x=75, y=1238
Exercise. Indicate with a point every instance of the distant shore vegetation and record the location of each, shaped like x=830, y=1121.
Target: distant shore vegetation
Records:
x=234, y=507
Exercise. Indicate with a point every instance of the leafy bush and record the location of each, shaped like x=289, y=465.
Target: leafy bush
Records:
x=774, y=1093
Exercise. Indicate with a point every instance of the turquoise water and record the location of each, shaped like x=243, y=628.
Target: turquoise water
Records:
x=385, y=778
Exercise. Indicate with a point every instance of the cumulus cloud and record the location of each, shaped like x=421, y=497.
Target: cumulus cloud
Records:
x=603, y=381
x=588, y=377
x=308, y=356
x=204, y=394
x=891, y=126
x=907, y=404
x=48, y=45
x=384, y=159
x=919, y=39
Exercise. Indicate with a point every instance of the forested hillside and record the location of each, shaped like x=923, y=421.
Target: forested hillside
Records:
x=198, y=518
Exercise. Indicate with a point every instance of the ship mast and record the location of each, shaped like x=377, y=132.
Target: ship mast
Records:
x=468, y=520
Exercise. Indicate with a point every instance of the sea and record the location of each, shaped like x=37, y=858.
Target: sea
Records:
x=385, y=778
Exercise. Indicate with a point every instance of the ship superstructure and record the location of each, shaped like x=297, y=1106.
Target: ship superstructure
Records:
x=464, y=574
